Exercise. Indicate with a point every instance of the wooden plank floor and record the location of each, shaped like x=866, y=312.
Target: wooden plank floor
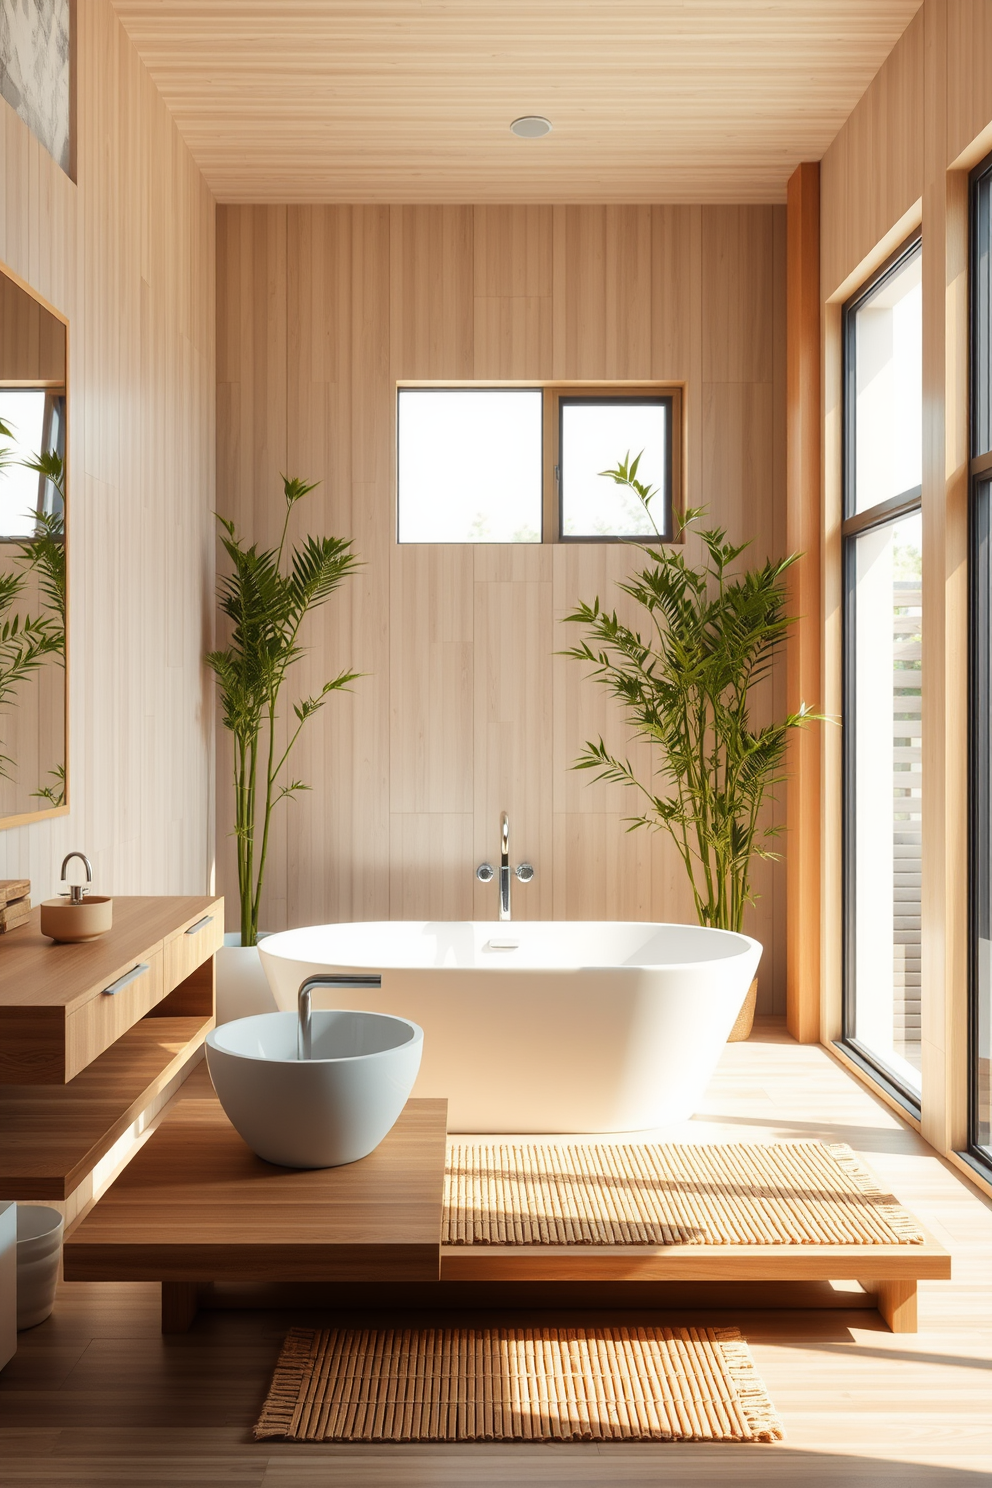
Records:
x=97, y=1396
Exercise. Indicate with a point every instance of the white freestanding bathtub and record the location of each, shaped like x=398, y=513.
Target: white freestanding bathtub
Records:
x=541, y=1026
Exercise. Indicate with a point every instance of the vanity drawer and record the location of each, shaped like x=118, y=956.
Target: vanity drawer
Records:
x=115, y=1008
x=194, y=943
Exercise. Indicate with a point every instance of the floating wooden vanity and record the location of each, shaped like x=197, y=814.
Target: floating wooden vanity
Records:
x=62, y=1005
x=91, y=1035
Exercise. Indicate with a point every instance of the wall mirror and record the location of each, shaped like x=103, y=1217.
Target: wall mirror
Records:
x=33, y=413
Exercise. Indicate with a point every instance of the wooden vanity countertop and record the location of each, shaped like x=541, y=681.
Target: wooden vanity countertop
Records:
x=37, y=973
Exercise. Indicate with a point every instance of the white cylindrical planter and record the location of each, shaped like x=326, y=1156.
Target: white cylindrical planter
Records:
x=39, y=1250
x=242, y=987
x=8, y=1281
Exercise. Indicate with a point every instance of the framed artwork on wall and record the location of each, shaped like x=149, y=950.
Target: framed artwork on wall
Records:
x=36, y=71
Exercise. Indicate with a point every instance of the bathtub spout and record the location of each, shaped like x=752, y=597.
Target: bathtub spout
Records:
x=504, y=869
x=485, y=872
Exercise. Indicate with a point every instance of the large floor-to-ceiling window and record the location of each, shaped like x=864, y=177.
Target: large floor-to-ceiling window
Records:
x=980, y=1134
x=883, y=677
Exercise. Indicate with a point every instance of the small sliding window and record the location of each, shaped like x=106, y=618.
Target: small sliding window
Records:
x=602, y=431
x=490, y=464
x=883, y=676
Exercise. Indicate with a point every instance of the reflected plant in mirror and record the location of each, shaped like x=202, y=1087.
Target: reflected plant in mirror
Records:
x=28, y=640
x=33, y=613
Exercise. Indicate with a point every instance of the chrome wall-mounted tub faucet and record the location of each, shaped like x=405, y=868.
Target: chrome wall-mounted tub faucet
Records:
x=485, y=872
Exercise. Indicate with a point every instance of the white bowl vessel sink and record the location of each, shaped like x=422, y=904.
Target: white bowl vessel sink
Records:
x=333, y=1108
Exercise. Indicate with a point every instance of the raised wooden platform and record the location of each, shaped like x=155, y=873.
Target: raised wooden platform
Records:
x=53, y=1136
x=195, y=1205
x=890, y=1272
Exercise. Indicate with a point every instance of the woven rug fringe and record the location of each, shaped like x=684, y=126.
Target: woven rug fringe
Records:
x=885, y=1204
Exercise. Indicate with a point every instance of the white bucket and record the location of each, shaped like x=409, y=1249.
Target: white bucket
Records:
x=39, y=1250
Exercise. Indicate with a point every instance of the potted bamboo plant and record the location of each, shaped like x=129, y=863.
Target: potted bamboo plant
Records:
x=266, y=595
x=685, y=684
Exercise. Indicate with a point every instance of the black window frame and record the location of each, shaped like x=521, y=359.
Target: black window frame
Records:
x=979, y=638
x=599, y=399
x=854, y=525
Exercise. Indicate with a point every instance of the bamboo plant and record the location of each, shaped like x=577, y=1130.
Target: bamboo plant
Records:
x=711, y=635
x=266, y=602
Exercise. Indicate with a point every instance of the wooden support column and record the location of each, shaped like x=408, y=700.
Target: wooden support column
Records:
x=896, y=1303
x=804, y=672
x=179, y=1305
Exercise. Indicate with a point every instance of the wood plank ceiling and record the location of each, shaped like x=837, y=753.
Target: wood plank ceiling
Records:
x=411, y=100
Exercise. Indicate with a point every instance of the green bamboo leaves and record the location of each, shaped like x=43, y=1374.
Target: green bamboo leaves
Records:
x=45, y=551
x=686, y=685
x=266, y=608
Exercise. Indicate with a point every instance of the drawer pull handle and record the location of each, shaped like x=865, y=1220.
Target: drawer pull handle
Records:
x=195, y=929
x=129, y=976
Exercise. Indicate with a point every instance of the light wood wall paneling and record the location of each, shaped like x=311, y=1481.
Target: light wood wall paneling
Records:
x=319, y=448
x=873, y=171
x=467, y=710
x=514, y=301
x=362, y=872
x=676, y=306
x=969, y=96
x=252, y=452
x=805, y=683
x=742, y=483
x=127, y=254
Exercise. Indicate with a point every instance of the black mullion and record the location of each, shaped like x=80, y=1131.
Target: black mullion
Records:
x=980, y=642
x=979, y=819
x=887, y=511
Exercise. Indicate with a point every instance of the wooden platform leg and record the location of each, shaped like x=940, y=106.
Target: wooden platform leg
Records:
x=896, y=1301
x=178, y=1305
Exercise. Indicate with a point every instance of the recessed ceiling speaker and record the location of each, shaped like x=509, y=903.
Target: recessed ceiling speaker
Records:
x=531, y=126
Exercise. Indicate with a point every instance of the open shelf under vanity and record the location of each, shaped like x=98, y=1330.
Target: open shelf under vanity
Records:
x=96, y=1036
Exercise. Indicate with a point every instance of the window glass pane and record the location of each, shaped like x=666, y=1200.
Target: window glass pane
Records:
x=23, y=411
x=981, y=1134
x=887, y=788
x=597, y=436
x=469, y=465
x=981, y=311
x=888, y=391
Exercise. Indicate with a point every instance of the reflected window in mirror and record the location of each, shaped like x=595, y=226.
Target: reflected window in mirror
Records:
x=29, y=497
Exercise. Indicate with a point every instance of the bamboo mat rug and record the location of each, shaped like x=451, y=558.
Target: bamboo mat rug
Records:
x=790, y=1193
x=517, y=1384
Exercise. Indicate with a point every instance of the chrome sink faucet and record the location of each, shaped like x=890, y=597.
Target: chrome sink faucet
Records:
x=76, y=891
x=485, y=872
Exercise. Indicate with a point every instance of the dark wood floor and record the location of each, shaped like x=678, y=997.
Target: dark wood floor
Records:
x=96, y=1396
